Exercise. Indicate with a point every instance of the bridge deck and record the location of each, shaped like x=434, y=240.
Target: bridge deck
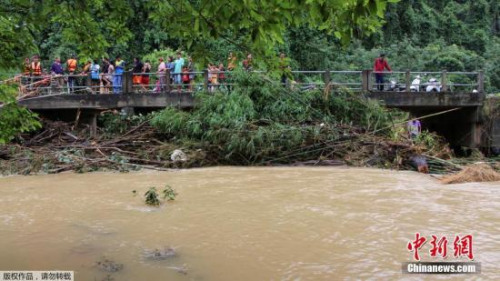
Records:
x=186, y=100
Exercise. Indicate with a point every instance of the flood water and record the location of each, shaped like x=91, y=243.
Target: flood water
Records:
x=244, y=223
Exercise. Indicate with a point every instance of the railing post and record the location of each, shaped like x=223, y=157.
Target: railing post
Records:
x=408, y=80
x=480, y=82
x=167, y=80
x=127, y=85
x=444, y=81
x=205, y=79
x=326, y=78
x=364, y=81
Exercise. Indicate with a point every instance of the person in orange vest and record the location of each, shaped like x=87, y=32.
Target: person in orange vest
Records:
x=71, y=65
x=36, y=69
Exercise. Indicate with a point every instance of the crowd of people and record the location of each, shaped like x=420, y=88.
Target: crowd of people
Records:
x=106, y=76
x=172, y=73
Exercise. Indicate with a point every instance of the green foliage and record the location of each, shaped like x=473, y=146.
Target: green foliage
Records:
x=157, y=54
x=98, y=28
x=169, y=193
x=151, y=197
x=14, y=119
x=259, y=119
x=114, y=123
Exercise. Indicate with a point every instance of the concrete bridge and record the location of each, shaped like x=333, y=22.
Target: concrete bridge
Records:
x=461, y=126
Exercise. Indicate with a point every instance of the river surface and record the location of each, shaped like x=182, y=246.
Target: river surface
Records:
x=244, y=224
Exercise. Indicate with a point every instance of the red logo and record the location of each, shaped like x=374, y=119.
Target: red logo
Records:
x=462, y=246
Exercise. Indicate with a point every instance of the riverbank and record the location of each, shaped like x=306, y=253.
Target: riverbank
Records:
x=60, y=147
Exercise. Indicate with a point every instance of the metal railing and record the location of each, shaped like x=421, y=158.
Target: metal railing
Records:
x=208, y=80
x=426, y=81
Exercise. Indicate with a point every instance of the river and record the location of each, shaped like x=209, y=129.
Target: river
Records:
x=290, y=223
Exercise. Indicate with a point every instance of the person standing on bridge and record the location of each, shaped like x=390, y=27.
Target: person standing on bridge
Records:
x=110, y=77
x=94, y=76
x=137, y=72
x=117, y=78
x=231, y=62
x=36, y=69
x=379, y=68
x=57, y=70
x=27, y=67
x=104, y=76
x=71, y=65
x=248, y=62
x=25, y=79
x=146, y=69
x=162, y=69
x=178, y=65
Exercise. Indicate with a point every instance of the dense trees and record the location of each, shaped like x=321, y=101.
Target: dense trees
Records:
x=93, y=28
x=418, y=34
x=456, y=35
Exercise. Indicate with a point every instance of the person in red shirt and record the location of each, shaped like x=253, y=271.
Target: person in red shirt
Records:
x=379, y=67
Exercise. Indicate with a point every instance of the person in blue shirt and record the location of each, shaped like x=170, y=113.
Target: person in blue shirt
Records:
x=94, y=76
x=117, y=77
x=170, y=67
x=178, y=65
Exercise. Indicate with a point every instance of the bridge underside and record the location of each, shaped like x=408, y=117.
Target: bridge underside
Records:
x=460, y=128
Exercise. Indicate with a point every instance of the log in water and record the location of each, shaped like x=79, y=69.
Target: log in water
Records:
x=241, y=224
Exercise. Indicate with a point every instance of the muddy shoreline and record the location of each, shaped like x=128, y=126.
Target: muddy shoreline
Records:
x=60, y=147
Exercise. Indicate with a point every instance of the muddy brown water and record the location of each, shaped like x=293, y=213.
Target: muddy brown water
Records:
x=243, y=223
